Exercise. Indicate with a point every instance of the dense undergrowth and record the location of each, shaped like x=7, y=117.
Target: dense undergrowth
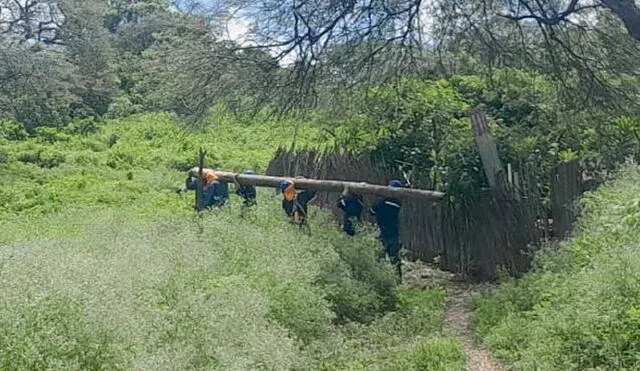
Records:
x=120, y=161
x=103, y=266
x=580, y=308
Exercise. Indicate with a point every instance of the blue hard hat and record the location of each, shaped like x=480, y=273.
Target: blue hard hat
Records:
x=284, y=185
x=249, y=171
x=395, y=184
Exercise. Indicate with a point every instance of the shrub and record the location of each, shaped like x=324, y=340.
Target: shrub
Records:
x=84, y=126
x=51, y=135
x=123, y=107
x=120, y=159
x=301, y=309
x=4, y=155
x=578, y=309
x=359, y=288
x=434, y=355
x=54, y=333
x=88, y=159
x=46, y=158
x=11, y=130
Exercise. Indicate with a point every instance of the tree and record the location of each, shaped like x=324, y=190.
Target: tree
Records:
x=31, y=20
x=553, y=13
x=570, y=39
x=89, y=48
x=36, y=86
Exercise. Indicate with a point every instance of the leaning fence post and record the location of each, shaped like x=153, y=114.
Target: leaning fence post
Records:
x=487, y=149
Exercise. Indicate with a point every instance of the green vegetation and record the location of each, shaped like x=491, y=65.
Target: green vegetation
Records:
x=104, y=105
x=119, y=161
x=578, y=310
x=103, y=265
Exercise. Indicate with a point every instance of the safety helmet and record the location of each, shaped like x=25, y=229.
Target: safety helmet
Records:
x=249, y=172
x=285, y=184
x=395, y=184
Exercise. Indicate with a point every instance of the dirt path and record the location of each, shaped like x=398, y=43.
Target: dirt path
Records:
x=459, y=309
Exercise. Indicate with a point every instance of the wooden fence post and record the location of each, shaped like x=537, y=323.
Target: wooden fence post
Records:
x=566, y=187
x=199, y=182
x=488, y=150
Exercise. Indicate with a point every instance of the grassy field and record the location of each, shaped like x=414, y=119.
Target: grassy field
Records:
x=139, y=160
x=103, y=266
x=580, y=308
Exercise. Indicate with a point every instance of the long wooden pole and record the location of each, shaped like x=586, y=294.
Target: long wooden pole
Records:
x=329, y=185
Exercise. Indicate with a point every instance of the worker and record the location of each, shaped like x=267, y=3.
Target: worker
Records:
x=294, y=203
x=192, y=177
x=351, y=206
x=247, y=192
x=215, y=192
x=386, y=212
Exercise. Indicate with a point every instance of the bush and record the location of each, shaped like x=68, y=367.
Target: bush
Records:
x=434, y=355
x=237, y=295
x=121, y=159
x=302, y=310
x=11, y=130
x=359, y=288
x=578, y=309
x=400, y=340
x=54, y=333
x=46, y=158
x=83, y=126
x=51, y=135
x=123, y=107
x=4, y=155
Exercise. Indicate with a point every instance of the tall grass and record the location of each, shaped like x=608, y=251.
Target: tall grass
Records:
x=103, y=266
x=579, y=309
x=140, y=159
x=219, y=292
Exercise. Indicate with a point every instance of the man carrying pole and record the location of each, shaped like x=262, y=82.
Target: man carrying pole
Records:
x=387, y=211
x=215, y=192
x=295, y=203
x=247, y=192
x=352, y=207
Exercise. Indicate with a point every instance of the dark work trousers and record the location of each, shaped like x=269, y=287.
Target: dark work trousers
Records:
x=349, y=224
x=392, y=249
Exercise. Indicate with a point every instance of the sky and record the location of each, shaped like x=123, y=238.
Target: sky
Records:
x=237, y=28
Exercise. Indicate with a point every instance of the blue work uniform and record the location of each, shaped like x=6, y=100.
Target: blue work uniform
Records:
x=352, y=208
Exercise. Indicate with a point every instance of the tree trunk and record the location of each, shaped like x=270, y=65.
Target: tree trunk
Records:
x=629, y=14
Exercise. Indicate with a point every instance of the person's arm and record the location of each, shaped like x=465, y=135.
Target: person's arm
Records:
x=375, y=208
x=341, y=204
x=306, y=196
x=190, y=184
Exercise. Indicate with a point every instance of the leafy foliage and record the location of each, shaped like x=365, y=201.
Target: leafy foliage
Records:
x=577, y=310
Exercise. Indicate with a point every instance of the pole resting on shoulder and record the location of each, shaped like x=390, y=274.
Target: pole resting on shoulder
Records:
x=330, y=186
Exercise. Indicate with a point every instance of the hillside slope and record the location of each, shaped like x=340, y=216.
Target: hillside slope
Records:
x=580, y=308
x=103, y=266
